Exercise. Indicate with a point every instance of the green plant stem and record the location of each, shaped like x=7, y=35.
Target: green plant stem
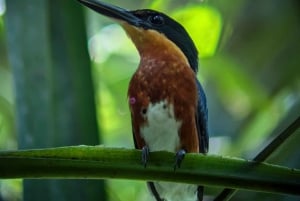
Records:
x=99, y=162
x=227, y=193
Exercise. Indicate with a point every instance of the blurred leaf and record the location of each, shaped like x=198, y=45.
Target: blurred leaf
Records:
x=159, y=4
x=54, y=91
x=204, y=24
x=238, y=92
x=7, y=126
x=258, y=129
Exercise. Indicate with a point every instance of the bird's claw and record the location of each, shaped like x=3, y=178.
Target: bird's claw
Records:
x=145, y=155
x=178, y=158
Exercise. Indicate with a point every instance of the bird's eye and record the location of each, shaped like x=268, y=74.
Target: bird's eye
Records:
x=156, y=19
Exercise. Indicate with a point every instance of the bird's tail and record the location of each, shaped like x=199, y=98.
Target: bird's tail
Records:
x=200, y=192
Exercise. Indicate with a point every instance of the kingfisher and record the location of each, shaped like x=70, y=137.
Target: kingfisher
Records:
x=167, y=102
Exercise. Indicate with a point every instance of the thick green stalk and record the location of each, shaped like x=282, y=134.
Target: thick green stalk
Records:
x=98, y=162
x=227, y=193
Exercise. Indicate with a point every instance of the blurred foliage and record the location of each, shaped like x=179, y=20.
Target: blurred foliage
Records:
x=203, y=23
x=249, y=67
x=54, y=96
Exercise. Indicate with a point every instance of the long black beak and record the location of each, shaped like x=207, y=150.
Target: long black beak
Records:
x=112, y=11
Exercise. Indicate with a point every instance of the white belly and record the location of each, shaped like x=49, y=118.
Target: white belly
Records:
x=161, y=133
x=176, y=191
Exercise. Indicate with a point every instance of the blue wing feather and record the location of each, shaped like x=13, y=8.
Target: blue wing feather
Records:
x=201, y=119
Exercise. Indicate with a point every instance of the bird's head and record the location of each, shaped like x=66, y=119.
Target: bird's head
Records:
x=148, y=28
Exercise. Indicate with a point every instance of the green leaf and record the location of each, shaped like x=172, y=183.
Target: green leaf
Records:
x=99, y=162
x=204, y=25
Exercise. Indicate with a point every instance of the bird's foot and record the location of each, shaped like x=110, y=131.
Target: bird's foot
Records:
x=145, y=155
x=178, y=158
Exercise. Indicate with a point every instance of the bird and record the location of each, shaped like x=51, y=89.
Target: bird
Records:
x=167, y=102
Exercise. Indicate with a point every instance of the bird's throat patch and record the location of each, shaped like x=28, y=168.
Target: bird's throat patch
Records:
x=152, y=43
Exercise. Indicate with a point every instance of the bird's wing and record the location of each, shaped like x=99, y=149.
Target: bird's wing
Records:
x=201, y=119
